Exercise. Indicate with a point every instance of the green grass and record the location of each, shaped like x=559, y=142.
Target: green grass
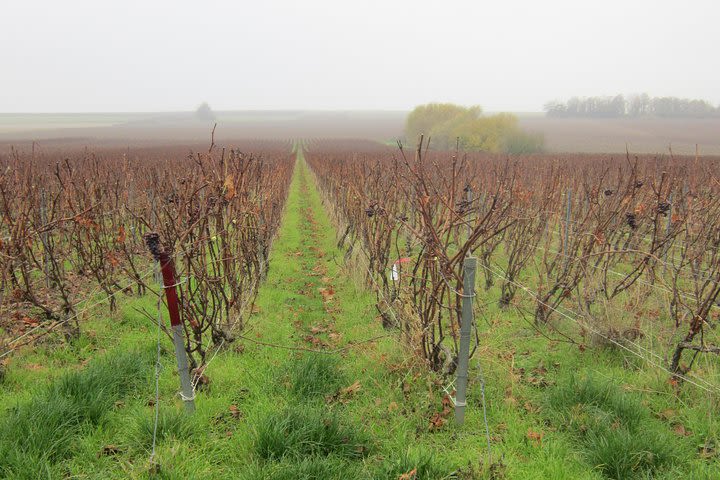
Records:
x=618, y=435
x=314, y=375
x=423, y=464
x=305, y=431
x=310, y=468
x=173, y=424
x=67, y=411
x=41, y=432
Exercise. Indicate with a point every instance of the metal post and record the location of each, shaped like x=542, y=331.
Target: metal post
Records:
x=129, y=208
x=259, y=231
x=468, y=190
x=410, y=222
x=170, y=286
x=669, y=215
x=567, y=222
x=469, y=267
x=668, y=228
x=44, y=237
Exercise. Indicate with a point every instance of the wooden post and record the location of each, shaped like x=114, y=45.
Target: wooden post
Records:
x=167, y=268
x=469, y=267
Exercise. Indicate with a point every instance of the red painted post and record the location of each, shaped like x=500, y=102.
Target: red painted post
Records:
x=167, y=268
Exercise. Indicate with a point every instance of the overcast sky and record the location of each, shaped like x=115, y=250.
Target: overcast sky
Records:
x=157, y=55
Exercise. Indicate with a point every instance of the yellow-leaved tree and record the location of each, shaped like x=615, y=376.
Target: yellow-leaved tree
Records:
x=447, y=123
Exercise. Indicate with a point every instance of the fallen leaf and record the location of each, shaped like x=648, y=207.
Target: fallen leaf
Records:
x=411, y=475
x=234, y=411
x=352, y=389
x=328, y=293
x=680, y=430
x=109, y=450
x=436, y=422
x=535, y=437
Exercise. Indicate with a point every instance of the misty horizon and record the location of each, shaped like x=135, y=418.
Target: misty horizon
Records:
x=133, y=56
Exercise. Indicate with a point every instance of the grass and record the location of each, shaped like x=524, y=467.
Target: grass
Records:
x=304, y=431
x=314, y=375
x=312, y=468
x=554, y=411
x=423, y=465
x=40, y=433
x=173, y=424
x=618, y=435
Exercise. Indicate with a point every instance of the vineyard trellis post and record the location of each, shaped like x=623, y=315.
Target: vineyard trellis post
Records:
x=44, y=236
x=668, y=228
x=568, y=213
x=129, y=206
x=258, y=238
x=167, y=268
x=469, y=200
x=469, y=268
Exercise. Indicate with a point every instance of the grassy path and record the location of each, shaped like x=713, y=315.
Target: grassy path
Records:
x=322, y=415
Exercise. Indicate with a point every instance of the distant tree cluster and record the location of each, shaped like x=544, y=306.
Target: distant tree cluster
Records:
x=642, y=105
x=204, y=112
x=447, y=124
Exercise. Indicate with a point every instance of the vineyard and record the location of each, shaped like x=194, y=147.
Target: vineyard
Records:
x=346, y=309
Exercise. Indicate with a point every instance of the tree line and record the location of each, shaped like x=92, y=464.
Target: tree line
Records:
x=642, y=105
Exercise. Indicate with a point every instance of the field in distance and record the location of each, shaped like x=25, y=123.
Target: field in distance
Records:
x=641, y=135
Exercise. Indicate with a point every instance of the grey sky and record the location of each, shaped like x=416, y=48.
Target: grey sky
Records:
x=151, y=55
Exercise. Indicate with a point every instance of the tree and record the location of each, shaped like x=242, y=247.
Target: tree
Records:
x=555, y=108
x=639, y=105
x=447, y=123
x=204, y=112
x=430, y=119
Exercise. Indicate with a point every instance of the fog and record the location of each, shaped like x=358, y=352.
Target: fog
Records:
x=161, y=55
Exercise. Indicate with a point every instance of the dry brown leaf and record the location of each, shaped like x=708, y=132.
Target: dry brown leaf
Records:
x=121, y=235
x=328, y=293
x=229, y=187
x=535, y=437
x=109, y=450
x=352, y=389
x=234, y=411
x=680, y=430
x=411, y=475
x=436, y=421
